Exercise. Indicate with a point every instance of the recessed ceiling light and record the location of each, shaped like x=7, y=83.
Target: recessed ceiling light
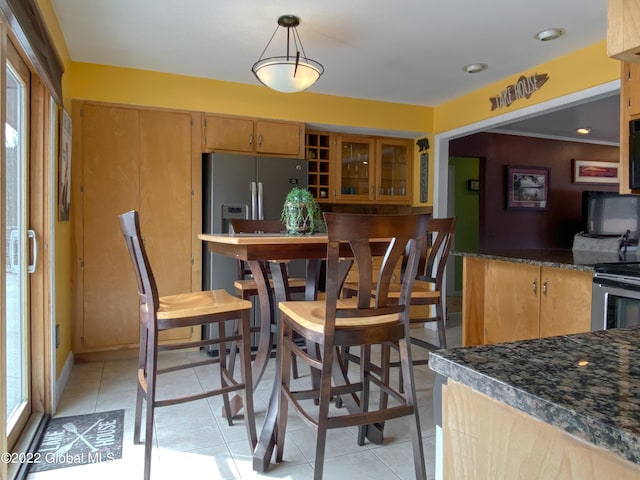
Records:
x=475, y=67
x=583, y=130
x=549, y=34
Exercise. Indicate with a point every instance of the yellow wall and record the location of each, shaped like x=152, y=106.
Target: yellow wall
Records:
x=582, y=69
x=140, y=87
x=568, y=74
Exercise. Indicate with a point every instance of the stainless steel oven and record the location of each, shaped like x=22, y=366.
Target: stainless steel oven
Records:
x=616, y=296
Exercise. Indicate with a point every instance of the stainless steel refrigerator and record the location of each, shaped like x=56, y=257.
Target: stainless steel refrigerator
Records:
x=243, y=186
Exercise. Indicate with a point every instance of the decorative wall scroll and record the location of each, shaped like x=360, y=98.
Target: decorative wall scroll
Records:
x=64, y=168
x=523, y=88
x=423, y=147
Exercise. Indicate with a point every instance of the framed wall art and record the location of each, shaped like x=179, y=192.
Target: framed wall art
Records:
x=585, y=171
x=64, y=168
x=527, y=188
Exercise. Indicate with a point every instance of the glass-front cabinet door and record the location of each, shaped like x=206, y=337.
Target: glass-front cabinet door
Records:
x=394, y=173
x=356, y=174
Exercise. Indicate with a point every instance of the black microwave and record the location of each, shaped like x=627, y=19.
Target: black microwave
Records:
x=634, y=154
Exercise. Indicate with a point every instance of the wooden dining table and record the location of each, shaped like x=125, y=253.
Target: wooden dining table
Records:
x=258, y=250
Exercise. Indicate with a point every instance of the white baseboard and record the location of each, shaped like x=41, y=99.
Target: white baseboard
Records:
x=62, y=380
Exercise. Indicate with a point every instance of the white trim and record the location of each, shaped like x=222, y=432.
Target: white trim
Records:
x=441, y=140
x=53, y=217
x=553, y=137
x=62, y=380
x=439, y=454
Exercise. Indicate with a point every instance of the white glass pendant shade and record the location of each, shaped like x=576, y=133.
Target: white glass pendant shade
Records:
x=282, y=74
x=289, y=73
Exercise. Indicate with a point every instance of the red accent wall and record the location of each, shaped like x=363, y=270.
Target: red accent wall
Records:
x=523, y=229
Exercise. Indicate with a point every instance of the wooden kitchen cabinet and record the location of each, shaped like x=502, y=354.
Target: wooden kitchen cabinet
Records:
x=505, y=301
x=565, y=303
x=255, y=136
x=393, y=175
x=630, y=89
x=359, y=168
x=355, y=173
x=127, y=158
x=623, y=30
x=373, y=169
x=511, y=306
x=319, y=148
x=629, y=110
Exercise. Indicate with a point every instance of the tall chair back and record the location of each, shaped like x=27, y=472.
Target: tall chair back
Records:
x=147, y=288
x=363, y=320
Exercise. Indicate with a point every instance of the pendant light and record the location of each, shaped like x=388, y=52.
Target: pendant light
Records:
x=292, y=72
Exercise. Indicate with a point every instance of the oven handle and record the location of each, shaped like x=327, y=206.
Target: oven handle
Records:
x=607, y=282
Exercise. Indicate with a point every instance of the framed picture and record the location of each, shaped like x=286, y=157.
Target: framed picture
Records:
x=473, y=185
x=527, y=188
x=585, y=171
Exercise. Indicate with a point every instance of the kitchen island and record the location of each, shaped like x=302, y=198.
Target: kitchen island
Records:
x=559, y=407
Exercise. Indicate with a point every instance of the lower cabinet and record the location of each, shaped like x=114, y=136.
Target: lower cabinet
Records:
x=485, y=438
x=507, y=301
x=512, y=305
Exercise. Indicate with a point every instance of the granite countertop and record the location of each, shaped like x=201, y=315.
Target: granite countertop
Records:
x=585, y=384
x=558, y=258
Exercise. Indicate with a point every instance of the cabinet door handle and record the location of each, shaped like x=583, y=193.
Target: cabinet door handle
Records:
x=260, y=139
x=535, y=287
x=544, y=288
x=251, y=139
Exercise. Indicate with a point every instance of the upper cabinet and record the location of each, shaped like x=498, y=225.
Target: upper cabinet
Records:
x=630, y=89
x=629, y=110
x=359, y=168
x=623, y=30
x=374, y=169
x=248, y=135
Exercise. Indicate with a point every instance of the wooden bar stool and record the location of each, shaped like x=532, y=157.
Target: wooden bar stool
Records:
x=427, y=287
x=190, y=309
x=361, y=321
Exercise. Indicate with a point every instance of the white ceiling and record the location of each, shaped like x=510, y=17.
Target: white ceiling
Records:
x=601, y=115
x=405, y=51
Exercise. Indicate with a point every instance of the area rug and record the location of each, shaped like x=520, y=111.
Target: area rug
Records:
x=79, y=440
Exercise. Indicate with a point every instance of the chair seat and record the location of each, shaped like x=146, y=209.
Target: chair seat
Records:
x=311, y=315
x=199, y=303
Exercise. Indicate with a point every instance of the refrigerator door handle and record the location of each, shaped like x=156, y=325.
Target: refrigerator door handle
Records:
x=260, y=204
x=254, y=201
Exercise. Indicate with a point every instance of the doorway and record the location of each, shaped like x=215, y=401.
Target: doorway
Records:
x=442, y=185
x=441, y=142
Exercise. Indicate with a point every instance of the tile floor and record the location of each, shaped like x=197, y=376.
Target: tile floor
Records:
x=193, y=440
